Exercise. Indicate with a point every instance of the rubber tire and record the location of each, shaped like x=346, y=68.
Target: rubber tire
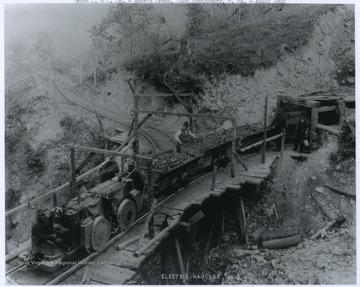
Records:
x=126, y=213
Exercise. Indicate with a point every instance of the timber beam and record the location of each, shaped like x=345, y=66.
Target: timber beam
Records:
x=183, y=114
x=150, y=95
x=304, y=102
x=108, y=152
x=327, y=109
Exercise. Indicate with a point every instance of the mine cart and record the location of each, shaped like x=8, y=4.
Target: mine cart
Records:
x=175, y=177
x=212, y=150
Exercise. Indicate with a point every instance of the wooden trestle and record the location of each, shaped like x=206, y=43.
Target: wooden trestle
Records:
x=118, y=266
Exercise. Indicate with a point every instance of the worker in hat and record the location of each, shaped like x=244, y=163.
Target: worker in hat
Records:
x=301, y=134
x=135, y=176
x=41, y=232
x=109, y=170
x=183, y=135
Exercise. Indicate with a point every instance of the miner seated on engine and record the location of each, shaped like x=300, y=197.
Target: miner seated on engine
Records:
x=109, y=170
x=43, y=235
x=60, y=231
x=136, y=176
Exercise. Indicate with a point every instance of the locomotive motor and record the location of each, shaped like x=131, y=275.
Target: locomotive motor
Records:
x=84, y=223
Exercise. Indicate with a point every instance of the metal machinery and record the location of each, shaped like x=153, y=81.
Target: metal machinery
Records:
x=89, y=221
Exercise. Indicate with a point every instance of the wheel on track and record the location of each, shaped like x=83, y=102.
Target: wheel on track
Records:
x=224, y=160
x=100, y=233
x=216, y=162
x=185, y=178
x=175, y=185
x=126, y=213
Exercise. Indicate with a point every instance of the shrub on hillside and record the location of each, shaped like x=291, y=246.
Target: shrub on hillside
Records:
x=346, y=142
x=12, y=197
x=35, y=159
x=236, y=49
x=70, y=125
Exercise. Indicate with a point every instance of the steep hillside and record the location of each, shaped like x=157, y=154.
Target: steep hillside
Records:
x=326, y=61
x=319, y=55
x=39, y=122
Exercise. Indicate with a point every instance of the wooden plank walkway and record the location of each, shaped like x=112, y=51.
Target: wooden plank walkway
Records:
x=117, y=267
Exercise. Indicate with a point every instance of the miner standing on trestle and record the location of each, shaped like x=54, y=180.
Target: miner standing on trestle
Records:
x=183, y=135
x=136, y=177
x=301, y=134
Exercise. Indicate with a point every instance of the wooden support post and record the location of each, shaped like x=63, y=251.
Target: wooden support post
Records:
x=85, y=161
x=241, y=161
x=223, y=220
x=221, y=223
x=151, y=228
x=135, y=90
x=191, y=111
x=179, y=259
x=130, y=137
x=242, y=219
x=122, y=165
x=136, y=122
x=149, y=175
x=263, y=155
x=55, y=200
x=233, y=148
x=106, y=144
x=341, y=106
x=314, y=122
x=213, y=179
x=282, y=145
x=131, y=126
x=73, y=168
x=210, y=236
x=165, y=263
x=148, y=219
x=193, y=233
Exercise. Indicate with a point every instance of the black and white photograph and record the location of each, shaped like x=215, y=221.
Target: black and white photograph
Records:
x=159, y=142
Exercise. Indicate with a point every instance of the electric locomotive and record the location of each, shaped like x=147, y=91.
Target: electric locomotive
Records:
x=85, y=223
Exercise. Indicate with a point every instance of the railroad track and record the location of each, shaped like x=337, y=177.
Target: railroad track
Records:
x=38, y=277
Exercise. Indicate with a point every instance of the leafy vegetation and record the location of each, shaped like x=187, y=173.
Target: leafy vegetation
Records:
x=346, y=142
x=35, y=159
x=12, y=197
x=234, y=48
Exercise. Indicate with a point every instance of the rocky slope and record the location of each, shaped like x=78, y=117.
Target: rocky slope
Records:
x=328, y=55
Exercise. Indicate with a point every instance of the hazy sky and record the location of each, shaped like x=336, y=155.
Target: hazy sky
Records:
x=67, y=23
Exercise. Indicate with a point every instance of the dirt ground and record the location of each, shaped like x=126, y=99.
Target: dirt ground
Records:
x=288, y=204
